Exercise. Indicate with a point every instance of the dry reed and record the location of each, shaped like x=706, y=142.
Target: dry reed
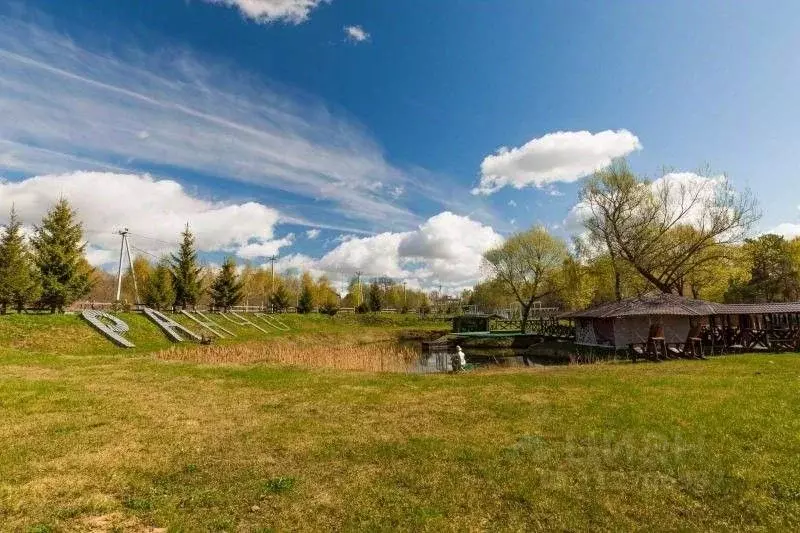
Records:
x=372, y=357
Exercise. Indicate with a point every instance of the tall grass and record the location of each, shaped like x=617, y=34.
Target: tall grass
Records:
x=386, y=356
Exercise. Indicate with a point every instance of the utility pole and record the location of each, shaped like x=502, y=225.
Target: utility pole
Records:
x=360, y=292
x=272, y=260
x=125, y=247
x=405, y=299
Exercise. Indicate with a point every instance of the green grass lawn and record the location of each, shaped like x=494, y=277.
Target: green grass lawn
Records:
x=97, y=438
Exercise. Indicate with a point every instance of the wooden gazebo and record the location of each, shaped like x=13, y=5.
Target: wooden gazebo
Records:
x=629, y=321
x=668, y=324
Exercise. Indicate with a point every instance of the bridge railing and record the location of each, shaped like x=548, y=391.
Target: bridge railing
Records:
x=547, y=328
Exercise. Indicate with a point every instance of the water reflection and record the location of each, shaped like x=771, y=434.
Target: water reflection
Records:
x=437, y=360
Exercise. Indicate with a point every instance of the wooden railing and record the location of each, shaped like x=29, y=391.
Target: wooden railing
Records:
x=732, y=339
x=535, y=327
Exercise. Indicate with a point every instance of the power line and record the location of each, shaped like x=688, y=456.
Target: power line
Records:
x=141, y=236
x=98, y=232
x=154, y=239
x=145, y=252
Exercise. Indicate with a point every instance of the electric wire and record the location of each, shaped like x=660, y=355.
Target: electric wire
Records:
x=145, y=252
x=153, y=239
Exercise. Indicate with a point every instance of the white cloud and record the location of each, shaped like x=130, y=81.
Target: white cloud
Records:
x=294, y=11
x=155, y=211
x=297, y=263
x=787, y=229
x=377, y=256
x=66, y=109
x=268, y=248
x=98, y=256
x=512, y=203
x=312, y=234
x=446, y=249
x=356, y=34
x=449, y=236
x=562, y=156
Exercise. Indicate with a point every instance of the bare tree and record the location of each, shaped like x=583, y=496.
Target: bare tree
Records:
x=669, y=229
x=528, y=264
x=610, y=200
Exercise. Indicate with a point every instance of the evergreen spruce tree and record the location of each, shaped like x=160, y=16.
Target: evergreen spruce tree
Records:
x=186, y=273
x=226, y=290
x=58, y=255
x=159, y=292
x=280, y=298
x=305, y=304
x=18, y=281
x=374, y=298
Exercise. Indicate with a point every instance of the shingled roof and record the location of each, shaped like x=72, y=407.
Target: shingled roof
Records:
x=648, y=305
x=655, y=303
x=770, y=308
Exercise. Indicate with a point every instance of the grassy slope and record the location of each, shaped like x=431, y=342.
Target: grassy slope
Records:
x=70, y=334
x=91, y=439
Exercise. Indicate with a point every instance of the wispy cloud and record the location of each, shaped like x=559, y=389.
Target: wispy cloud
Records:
x=66, y=108
x=356, y=34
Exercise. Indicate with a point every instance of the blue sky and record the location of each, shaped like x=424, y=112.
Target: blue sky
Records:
x=276, y=122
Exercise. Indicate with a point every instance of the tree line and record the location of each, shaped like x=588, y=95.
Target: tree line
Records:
x=181, y=281
x=49, y=270
x=689, y=237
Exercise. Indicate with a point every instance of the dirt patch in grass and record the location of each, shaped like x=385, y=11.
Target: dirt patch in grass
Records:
x=116, y=522
x=32, y=372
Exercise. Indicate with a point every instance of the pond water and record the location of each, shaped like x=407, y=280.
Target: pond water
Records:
x=438, y=360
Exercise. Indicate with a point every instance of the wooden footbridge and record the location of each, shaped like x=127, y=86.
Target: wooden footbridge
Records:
x=488, y=328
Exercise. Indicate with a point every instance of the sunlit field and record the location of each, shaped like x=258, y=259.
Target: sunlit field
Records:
x=220, y=439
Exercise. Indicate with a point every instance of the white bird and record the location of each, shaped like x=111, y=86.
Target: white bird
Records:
x=462, y=358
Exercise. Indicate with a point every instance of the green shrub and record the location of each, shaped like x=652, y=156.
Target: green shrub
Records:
x=329, y=309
